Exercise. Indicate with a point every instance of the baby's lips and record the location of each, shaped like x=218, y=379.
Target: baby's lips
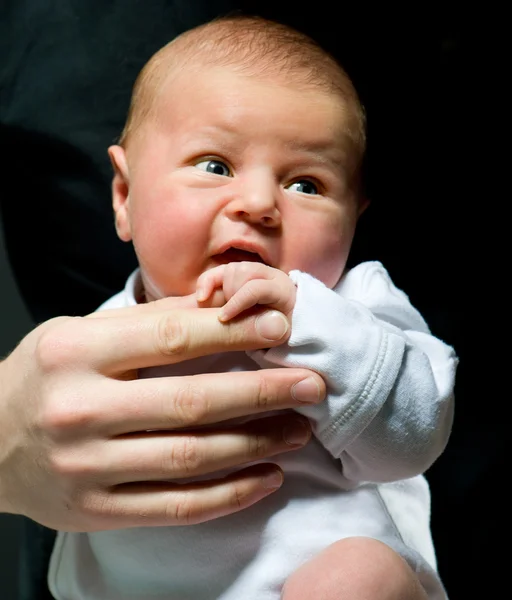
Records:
x=236, y=255
x=250, y=249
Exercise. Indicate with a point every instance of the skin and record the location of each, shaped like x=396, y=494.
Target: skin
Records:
x=355, y=568
x=78, y=456
x=246, y=284
x=233, y=184
x=231, y=169
x=98, y=456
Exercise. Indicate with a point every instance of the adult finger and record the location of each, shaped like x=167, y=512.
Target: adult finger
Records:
x=164, y=456
x=165, y=504
x=188, y=402
x=135, y=340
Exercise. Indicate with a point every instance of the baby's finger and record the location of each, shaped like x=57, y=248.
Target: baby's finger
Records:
x=256, y=291
x=215, y=300
x=238, y=274
x=208, y=281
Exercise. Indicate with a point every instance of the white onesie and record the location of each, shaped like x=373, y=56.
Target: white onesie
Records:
x=386, y=418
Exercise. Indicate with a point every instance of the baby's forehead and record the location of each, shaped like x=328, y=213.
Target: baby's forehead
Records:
x=175, y=81
x=230, y=93
x=254, y=113
x=276, y=57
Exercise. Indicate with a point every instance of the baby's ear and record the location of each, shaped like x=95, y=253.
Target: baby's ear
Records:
x=120, y=192
x=364, y=202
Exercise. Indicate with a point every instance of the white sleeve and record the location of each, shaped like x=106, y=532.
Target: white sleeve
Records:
x=389, y=408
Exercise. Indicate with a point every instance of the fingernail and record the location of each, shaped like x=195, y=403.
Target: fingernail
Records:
x=296, y=433
x=306, y=390
x=274, y=480
x=272, y=325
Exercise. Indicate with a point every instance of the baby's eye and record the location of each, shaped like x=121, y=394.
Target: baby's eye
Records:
x=217, y=167
x=304, y=186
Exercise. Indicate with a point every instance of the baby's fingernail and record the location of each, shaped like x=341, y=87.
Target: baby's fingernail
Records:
x=223, y=317
x=272, y=325
x=200, y=295
x=306, y=390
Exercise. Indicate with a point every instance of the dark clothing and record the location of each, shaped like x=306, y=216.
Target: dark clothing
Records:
x=66, y=72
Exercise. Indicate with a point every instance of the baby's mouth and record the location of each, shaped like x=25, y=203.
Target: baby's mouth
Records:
x=236, y=255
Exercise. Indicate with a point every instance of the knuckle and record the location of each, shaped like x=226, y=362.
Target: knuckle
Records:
x=236, y=498
x=180, y=509
x=58, y=344
x=251, y=291
x=65, y=465
x=240, y=271
x=63, y=417
x=245, y=267
x=231, y=268
x=171, y=337
x=256, y=446
x=185, y=457
x=266, y=395
x=190, y=406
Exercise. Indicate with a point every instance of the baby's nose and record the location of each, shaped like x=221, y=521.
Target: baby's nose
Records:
x=258, y=205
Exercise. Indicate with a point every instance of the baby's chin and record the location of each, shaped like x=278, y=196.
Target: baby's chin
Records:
x=150, y=291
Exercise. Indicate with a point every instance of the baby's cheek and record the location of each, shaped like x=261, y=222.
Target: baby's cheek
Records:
x=329, y=256
x=327, y=267
x=331, y=270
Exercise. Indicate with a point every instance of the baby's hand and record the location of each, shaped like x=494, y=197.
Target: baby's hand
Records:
x=246, y=284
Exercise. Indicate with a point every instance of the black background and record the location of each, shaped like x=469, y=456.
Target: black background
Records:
x=428, y=77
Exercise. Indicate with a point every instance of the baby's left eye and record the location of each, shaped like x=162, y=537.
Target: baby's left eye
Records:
x=217, y=167
x=304, y=186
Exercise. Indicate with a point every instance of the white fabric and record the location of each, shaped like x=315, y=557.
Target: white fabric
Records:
x=386, y=419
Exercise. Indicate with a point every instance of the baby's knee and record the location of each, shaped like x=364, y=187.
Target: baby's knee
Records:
x=357, y=568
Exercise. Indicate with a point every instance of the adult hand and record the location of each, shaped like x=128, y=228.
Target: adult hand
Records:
x=85, y=445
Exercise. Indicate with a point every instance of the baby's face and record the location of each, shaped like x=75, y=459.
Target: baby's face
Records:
x=235, y=169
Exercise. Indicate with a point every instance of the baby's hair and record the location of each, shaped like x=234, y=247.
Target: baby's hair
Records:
x=252, y=46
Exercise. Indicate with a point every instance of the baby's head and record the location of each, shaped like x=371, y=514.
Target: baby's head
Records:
x=244, y=141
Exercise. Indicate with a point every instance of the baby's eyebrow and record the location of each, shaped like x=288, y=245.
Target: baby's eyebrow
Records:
x=324, y=153
x=215, y=136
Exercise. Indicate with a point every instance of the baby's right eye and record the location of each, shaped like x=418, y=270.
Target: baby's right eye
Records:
x=217, y=167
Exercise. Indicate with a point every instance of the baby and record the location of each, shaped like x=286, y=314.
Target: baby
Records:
x=237, y=178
